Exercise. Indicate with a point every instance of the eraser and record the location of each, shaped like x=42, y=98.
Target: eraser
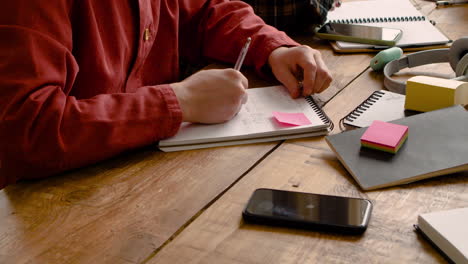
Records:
x=384, y=136
x=426, y=93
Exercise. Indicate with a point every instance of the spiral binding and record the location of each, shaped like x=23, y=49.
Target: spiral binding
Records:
x=364, y=106
x=320, y=113
x=379, y=19
x=374, y=97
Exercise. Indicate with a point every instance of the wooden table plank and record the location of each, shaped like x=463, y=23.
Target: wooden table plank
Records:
x=122, y=210
x=117, y=211
x=220, y=236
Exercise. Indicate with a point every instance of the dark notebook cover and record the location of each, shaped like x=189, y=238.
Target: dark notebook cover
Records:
x=437, y=144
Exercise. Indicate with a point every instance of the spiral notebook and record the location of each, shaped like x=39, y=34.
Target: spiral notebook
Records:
x=418, y=31
x=254, y=123
x=381, y=105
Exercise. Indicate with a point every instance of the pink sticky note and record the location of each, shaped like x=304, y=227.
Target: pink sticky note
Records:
x=295, y=119
x=385, y=134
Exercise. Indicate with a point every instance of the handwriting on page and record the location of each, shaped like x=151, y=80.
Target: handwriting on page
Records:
x=255, y=118
x=295, y=119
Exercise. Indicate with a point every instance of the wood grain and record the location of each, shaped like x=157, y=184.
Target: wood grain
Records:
x=219, y=234
x=123, y=210
x=118, y=211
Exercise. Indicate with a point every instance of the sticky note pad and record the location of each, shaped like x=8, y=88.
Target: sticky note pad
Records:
x=292, y=119
x=384, y=136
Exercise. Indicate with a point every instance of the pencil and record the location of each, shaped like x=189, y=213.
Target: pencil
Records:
x=242, y=54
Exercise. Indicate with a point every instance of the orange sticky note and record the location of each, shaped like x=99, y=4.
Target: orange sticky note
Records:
x=294, y=119
x=384, y=136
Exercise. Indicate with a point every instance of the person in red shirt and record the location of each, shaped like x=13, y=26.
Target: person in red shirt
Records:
x=81, y=81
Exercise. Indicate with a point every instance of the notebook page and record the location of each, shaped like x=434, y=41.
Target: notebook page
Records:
x=415, y=33
x=373, y=9
x=389, y=106
x=255, y=119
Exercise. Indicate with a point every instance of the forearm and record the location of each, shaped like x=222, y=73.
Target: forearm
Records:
x=57, y=133
x=44, y=130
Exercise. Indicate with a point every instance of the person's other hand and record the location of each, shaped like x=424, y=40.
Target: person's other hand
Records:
x=301, y=69
x=211, y=96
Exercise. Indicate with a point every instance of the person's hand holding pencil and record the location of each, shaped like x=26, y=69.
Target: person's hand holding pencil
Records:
x=213, y=96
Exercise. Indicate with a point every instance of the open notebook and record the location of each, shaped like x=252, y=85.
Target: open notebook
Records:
x=381, y=105
x=254, y=123
x=418, y=31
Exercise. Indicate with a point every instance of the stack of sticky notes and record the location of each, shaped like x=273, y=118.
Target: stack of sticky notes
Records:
x=384, y=136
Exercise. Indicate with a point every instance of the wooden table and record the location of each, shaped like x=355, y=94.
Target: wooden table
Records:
x=185, y=207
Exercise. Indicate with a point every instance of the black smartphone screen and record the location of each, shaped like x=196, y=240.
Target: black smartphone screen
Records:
x=360, y=31
x=316, y=209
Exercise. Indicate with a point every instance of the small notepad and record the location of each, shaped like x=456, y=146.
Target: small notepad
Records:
x=384, y=136
x=381, y=105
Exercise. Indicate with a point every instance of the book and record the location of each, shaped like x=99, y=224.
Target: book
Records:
x=447, y=231
x=436, y=145
x=381, y=105
x=263, y=118
x=418, y=31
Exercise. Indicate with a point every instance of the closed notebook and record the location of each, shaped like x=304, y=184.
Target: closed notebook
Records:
x=437, y=144
x=400, y=14
x=447, y=231
x=259, y=120
x=381, y=105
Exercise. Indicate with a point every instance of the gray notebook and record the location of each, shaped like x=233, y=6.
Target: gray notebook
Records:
x=437, y=144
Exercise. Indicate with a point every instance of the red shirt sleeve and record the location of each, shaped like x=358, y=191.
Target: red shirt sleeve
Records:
x=218, y=30
x=79, y=83
x=44, y=130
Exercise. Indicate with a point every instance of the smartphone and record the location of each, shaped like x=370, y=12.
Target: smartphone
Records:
x=308, y=210
x=360, y=33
